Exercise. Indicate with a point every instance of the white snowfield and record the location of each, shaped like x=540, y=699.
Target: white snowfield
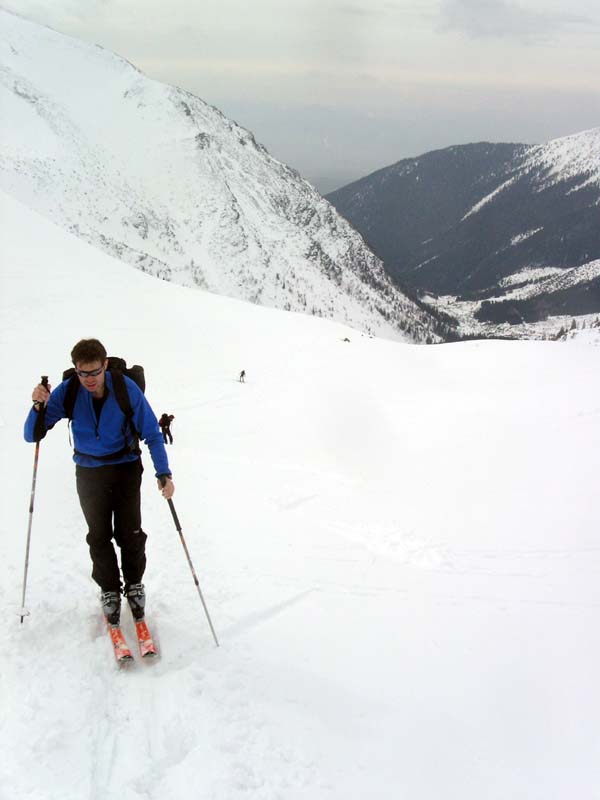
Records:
x=399, y=547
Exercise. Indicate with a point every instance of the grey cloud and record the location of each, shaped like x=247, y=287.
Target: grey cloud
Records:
x=505, y=19
x=356, y=11
x=384, y=10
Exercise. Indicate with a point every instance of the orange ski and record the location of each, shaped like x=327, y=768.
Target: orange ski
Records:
x=122, y=652
x=145, y=643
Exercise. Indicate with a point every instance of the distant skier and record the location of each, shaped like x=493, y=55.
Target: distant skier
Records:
x=243, y=376
x=165, y=426
x=108, y=470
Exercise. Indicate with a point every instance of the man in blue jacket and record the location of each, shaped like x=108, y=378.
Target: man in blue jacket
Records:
x=108, y=470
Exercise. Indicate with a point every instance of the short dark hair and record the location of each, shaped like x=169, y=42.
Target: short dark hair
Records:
x=88, y=350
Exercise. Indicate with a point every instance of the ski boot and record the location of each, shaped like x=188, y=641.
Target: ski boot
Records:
x=136, y=597
x=111, y=606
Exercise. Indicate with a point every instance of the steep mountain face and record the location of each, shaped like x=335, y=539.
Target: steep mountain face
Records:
x=511, y=229
x=155, y=176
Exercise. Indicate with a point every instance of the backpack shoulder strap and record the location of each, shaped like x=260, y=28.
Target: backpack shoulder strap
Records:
x=70, y=393
x=122, y=397
x=121, y=393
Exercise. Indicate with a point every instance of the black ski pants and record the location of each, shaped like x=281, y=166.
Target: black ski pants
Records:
x=110, y=501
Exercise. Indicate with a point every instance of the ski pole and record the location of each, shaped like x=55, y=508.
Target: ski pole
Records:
x=23, y=611
x=187, y=555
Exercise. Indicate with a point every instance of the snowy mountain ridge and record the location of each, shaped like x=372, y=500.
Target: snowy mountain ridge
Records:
x=478, y=225
x=567, y=157
x=154, y=175
x=556, y=161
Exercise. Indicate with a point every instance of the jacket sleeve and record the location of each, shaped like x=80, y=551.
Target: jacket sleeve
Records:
x=53, y=412
x=144, y=420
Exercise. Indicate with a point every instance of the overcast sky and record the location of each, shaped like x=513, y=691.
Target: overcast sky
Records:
x=339, y=88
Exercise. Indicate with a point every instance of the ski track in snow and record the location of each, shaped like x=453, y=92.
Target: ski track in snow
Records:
x=397, y=544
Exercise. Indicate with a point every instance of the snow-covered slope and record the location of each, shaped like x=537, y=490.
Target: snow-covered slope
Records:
x=398, y=546
x=566, y=158
x=155, y=176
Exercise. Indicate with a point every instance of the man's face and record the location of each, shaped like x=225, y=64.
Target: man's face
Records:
x=91, y=375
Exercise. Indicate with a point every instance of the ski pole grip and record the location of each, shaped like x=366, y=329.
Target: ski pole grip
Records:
x=44, y=382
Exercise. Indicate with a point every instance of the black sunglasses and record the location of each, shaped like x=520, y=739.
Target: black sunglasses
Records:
x=89, y=373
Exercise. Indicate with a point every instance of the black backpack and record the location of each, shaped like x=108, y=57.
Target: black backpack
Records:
x=117, y=368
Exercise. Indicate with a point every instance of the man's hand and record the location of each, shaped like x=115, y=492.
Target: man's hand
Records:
x=166, y=487
x=40, y=395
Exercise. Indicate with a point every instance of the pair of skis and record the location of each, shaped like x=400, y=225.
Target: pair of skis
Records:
x=121, y=649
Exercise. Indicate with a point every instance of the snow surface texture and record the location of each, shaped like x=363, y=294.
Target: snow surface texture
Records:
x=398, y=546
x=155, y=176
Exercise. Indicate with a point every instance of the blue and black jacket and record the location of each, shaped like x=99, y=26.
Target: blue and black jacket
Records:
x=96, y=440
